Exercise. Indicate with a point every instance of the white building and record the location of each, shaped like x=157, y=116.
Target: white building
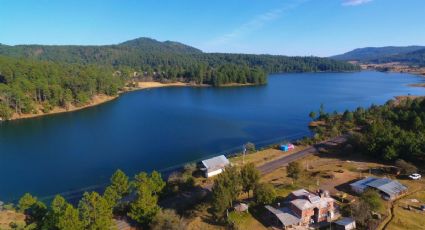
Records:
x=215, y=165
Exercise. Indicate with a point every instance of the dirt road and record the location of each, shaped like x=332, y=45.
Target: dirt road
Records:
x=273, y=165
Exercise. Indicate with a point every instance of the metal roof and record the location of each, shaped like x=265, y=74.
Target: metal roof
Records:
x=386, y=185
x=363, y=183
x=215, y=163
x=285, y=216
x=345, y=221
x=390, y=187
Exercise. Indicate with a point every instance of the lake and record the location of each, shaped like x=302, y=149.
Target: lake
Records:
x=165, y=127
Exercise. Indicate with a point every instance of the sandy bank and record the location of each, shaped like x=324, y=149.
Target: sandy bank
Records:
x=96, y=100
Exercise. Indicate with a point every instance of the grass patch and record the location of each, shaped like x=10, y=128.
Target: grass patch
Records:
x=7, y=217
x=244, y=220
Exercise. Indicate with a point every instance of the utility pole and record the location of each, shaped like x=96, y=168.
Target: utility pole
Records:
x=243, y=155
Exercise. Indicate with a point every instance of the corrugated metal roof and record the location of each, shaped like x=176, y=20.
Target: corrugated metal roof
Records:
x=379, y=182
x=386, y=185
x=363, y=183
x=391, y=187
x=285, y=216
x=215, y=163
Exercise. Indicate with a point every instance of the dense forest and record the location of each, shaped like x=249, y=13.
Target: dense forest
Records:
x=389, y=132
x=413, y=58
x=36, y=78
x=26, y=85
x=411, y=55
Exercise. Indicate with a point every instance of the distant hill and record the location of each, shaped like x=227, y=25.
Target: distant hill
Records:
x=376, y=53
x=412, y=58
x=173, y=58
x=108, y=54
x=152, y=45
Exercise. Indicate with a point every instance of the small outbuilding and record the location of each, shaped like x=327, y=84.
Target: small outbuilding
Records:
x=389, y=189
x=215, y=165
x=345, y=223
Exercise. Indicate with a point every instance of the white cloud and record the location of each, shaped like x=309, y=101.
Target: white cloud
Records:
x=355, y=2
x=256, y=23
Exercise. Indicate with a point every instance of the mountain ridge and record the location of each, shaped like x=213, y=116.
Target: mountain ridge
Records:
x=372, y=53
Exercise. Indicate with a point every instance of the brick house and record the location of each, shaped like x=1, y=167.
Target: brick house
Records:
x=304, y=208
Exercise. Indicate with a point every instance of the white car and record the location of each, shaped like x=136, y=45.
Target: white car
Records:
x=415, y=176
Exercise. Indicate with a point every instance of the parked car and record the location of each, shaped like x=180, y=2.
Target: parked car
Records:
x=415, y=176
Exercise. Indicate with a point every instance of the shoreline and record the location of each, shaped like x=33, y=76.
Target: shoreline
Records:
x=101, y=98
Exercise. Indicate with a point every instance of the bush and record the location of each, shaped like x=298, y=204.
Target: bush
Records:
x=236, y=219
x=167, y=219
x=264, y=194
x=250, y=147
x=405, y=167
x=293, y=170
x=372, y=199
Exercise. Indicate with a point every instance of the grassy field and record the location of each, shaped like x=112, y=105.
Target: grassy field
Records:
x=7, y=217
x=263, y=156
x=405, y=218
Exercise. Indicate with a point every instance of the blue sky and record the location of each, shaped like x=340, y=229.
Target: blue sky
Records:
x=289, y=27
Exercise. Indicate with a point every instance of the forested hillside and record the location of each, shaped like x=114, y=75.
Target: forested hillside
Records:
x=168, y=58
x=26, y=85
x=374, y=53
x=388, y=132
x=38, y=76
x=413, y=58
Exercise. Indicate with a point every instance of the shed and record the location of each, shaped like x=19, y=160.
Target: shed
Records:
x=215, y=165
x=361, y=185
x=390, y=189
x=345, y=223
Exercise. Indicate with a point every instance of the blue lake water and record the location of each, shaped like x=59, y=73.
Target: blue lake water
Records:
x=165, y=127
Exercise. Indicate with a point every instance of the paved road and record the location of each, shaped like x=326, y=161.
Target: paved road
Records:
x=273, y=165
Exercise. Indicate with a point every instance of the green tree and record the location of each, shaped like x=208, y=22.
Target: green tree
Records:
x=264, y=193
x=95, y=212
x=145, y=207
x=62, y=216
x=118, y=188
x=226, y=189
x=33, y=208
x=26, y=202
x=312, y=115
x=372, y=199
x=5, y=111
x=250, y=176
x=154, y=181
x=293, y=170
